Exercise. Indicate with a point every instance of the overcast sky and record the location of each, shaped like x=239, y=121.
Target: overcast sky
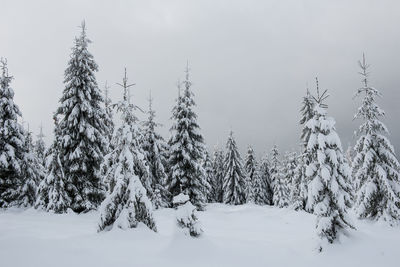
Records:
x=250, y=60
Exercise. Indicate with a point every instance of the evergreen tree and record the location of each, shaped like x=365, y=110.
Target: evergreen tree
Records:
x=234, y=176
x=40, y=147
x=186, y=150
x=52, y=195
x=217, y=175
x=281, y=180
x=280, y=194
x=12, y=142
x=208, y=170
x=250, y=167
x=329, y=174
x=375, y=166
x=126, y=203
x=186, y=215
x=32, y=174
x=263, y=192
x=154, y=147
x=291, y=181
x=82, y=128
x=298, y=190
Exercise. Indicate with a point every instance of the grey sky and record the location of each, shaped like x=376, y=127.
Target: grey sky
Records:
x=250, y=60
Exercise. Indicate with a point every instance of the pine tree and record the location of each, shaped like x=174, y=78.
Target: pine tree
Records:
x=155, y=147
x=298, y=190
x=32, y=174
x=217, y=175
x=186, y=215
x=279, y=188
x=186, y=149
x=281, y=180
x=126, y=203
x=262, y=192
x=52, y=195
x=82, y=128
x=40, y=147
x=234, y=176
x=329, y=174
x=208, y=170
x=305, y=158
x=291, y=181
x=250, y=167
x=375, y=166
x=12, y=142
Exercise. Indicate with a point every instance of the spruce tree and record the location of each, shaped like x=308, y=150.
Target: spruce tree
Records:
x=82, y=128
x=298, y=189
x=52, y=195
x=375, y=166
x=126, y=203
x=218, y=175
x=329, y=174
x=280, y=194
x=155, y=147
x=234, y=175
x=250, y=167
x=281, y=180
x=32, y=174
x=208, y=170
x=186, y=149
x=40, y=147
x=262, y=193
x=12, y=142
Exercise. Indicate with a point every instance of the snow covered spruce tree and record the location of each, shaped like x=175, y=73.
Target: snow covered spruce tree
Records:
x=208, y=170
x=40, y=147
x=32, y=174
x=186, y=215
x=375, y=166
x=52, y=195
x=250, y=167
x=126, y=203
x=289, y=175
x=328, y=173
x=155, y=149
x=186, y=149
x=279, y=187
x=12, y=142
x=234, y=176
x=217, y=175
x=298, y=189
x=82, y=128
x=262, y=192
x=307, y=111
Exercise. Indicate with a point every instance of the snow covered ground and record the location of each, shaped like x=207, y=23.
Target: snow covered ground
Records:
x=245, y=235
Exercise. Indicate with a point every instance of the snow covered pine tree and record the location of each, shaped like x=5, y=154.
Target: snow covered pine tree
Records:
x=279, y=187
x=82, y=128
x=40, y=147
x=155, y=147
x=329, y=175
x=187, y=174
x=375, y=166
x=262, y=184
x=126, y=203
x=186, y=215
x=52, y=194
x=250, y=166
x=13, y=146
x=234, y=184
x=218, y=175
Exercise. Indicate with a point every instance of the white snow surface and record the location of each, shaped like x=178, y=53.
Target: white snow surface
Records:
x=245, y=235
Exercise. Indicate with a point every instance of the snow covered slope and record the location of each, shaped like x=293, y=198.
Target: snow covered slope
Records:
x=246, y=235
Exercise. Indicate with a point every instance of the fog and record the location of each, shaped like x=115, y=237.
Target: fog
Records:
x=250, y=61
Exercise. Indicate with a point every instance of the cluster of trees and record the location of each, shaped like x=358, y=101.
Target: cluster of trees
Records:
x=129, y=170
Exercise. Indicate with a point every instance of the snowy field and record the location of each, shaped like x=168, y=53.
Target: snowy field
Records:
x=246, y=235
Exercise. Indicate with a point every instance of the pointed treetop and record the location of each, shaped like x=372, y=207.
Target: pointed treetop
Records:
x=41, y=135
x=126, y=86
x=320, y=97
x=364, y=73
